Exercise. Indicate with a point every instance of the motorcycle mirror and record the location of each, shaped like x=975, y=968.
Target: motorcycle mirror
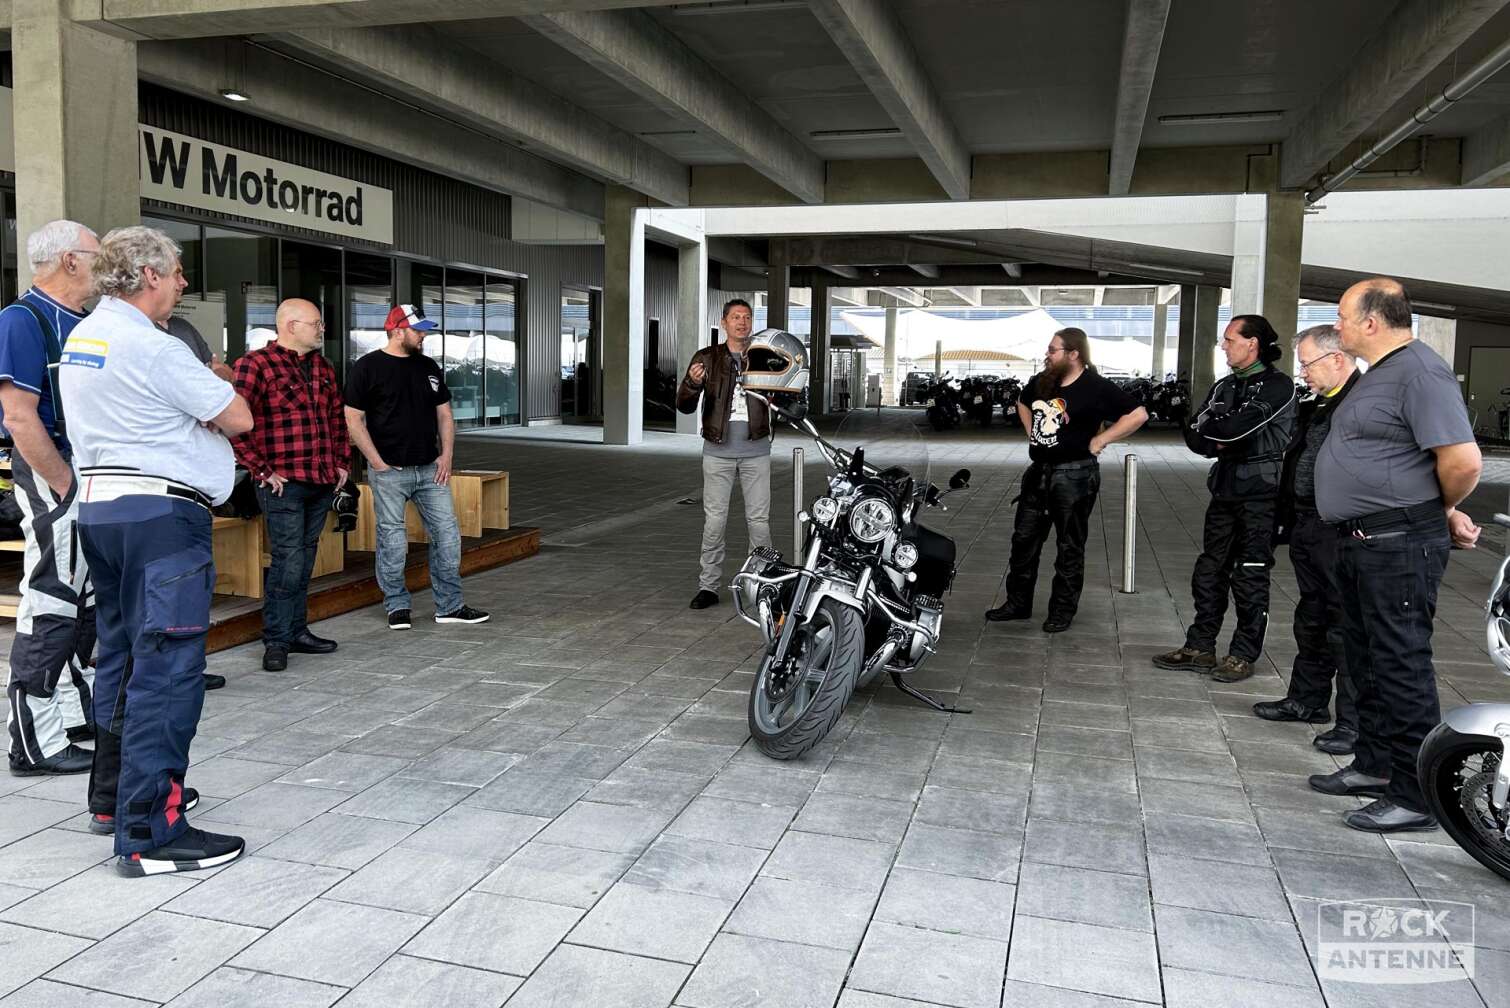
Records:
x=960, y=480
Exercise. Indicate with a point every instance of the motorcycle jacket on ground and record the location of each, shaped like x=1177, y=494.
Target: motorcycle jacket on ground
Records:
x=1246, y=423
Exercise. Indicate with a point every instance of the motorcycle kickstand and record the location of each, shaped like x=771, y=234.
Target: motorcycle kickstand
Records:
x=924, y=698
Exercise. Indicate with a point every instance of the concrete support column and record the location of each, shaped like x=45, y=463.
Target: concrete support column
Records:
x=691, y=312
x=1204, y=337
x=818, y=385
x=889, y=369
x=857, y=377
x=1282, y=236
x=1160, y=328
x=1441, y=334
x=1185, y=342
x=623, y=317
x=777, y=296
x=75, y=124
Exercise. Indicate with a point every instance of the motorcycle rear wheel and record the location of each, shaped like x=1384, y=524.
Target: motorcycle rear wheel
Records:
x=1456, y=782
x=829, y=652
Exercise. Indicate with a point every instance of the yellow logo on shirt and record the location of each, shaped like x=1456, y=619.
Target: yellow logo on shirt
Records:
x=84, y=352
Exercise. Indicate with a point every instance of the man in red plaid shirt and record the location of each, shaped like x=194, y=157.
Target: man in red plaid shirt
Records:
x=298, y=453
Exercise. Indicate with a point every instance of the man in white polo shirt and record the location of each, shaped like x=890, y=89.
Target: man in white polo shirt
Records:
x=149, y=425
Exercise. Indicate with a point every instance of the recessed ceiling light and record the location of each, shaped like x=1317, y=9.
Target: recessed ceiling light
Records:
x=1221, y=118
x=231, y=94
x=855, y=134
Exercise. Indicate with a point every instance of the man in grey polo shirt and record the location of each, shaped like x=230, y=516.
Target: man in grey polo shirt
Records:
x=1398, y=460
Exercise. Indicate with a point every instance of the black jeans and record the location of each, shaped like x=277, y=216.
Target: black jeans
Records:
x=1320, y=653
x=1061, y=499
x=295, y=519
x=1237, y=553
x=1389, y=585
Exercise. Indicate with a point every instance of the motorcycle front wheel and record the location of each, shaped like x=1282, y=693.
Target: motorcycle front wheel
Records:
x=790, y=715
x=1457, y=779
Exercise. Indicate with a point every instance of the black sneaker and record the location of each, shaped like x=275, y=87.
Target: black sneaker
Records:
x=466, y=614
x=69, y=760
x=194, y=850
x=703, y=599
x=104, y=823
x=399, y=620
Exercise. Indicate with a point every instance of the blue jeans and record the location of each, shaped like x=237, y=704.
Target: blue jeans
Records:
x=154, y=569
x=391, y=490
x=295, y=519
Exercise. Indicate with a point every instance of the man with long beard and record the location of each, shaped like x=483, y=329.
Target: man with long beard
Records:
x=1063, y=409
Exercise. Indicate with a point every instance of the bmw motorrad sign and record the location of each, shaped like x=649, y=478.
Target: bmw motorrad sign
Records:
x=1394, y=941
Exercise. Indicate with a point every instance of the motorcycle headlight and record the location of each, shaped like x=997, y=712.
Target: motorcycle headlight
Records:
x=825, y=510
x=905, y=555
x=871, y=520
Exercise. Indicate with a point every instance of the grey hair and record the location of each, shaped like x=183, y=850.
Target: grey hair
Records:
x=47, y=243
x=1326, y=338
x=125, y=252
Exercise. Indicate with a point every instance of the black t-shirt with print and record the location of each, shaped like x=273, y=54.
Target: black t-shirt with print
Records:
x=399, y=396
x=1064, y=422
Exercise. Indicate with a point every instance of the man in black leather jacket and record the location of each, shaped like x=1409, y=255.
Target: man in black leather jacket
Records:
x=1245, y=423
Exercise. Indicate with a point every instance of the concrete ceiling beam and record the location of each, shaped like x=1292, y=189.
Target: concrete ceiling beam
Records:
x=969, y=295
x=872, y=38
x=1412, y=42
x=1486, y=153
x=309, y=99
x=169, y=19
x=1013, y=270
x=634, y=50
x=417, y=62
x=847, y=272
x=1142, y=39
x=840, y=251
x=922, y=270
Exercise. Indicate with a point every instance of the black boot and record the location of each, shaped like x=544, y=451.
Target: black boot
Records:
x=307, y=643
x=69, y=760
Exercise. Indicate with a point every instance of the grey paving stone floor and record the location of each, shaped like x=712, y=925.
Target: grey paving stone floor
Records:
x=561, y=807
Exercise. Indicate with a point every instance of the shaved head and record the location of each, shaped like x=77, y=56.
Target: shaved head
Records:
x=1373, y=317
x=300, y=327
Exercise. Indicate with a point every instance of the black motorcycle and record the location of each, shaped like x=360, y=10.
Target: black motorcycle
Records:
x=865, y=597
x=943, y=402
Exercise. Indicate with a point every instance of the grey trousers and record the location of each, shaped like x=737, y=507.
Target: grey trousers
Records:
x=719, y=474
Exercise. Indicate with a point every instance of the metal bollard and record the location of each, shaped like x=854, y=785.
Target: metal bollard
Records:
x=1130, y=524
x=797, y=504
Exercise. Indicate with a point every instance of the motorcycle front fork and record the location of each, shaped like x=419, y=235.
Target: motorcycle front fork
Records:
x=799, y=597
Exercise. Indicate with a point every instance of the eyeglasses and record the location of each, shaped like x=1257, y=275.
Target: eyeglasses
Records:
x=1306, y=364
x=84, y=251
x=1054, y=350
x=318, y=326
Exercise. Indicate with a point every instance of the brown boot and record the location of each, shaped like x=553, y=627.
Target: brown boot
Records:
x=1231, y=669
x=1186, y=658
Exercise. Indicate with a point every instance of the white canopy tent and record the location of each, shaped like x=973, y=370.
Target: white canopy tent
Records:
x=919, y=332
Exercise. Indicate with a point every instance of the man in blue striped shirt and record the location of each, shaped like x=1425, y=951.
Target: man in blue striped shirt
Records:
x=55, y=619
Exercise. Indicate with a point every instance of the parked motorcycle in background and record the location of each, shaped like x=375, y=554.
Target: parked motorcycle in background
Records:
x=1464, y=765
x=943, y=403
x=865, y=597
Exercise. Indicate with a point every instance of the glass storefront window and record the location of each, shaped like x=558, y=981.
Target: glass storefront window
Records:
x=500, y=353
x=463, y=345
x=8, y=279
x=191, y=257
x=369, y=296
x=423, y=286
x=241, y=273
x=313, y=272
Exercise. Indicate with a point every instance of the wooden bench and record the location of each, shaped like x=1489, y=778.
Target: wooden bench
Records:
x=241, y=554
x=479, y=497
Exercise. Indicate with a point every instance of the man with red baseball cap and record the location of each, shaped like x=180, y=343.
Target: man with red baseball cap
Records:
x=398, y=410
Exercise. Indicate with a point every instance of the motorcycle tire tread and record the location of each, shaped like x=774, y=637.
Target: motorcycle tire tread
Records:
x=819, y=719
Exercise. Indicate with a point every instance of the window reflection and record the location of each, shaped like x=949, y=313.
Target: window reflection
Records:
x=369, y=296
x=464, y=336
x=500, y=354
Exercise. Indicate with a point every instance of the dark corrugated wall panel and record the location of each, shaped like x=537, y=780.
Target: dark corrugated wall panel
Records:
x=548, y=269
x=433, y=216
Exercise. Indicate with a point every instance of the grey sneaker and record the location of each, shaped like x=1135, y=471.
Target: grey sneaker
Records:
x=1232, y=669
x=1186, y=658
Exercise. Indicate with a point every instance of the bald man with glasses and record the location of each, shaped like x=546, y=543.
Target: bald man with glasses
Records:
x=299, y=454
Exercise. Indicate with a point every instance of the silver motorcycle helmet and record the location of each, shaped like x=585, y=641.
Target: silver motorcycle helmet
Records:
x=775, y=361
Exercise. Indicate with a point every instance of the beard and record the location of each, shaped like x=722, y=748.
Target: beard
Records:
x=1055, y=373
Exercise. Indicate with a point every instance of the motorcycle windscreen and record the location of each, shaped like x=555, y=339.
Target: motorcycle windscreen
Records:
x=891, y=439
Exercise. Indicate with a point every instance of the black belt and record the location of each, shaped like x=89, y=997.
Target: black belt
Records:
x=190, y=494
x=1077, y=464
x=1392, y=520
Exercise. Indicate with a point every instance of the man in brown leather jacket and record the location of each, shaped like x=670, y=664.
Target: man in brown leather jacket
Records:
x=736, y=445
